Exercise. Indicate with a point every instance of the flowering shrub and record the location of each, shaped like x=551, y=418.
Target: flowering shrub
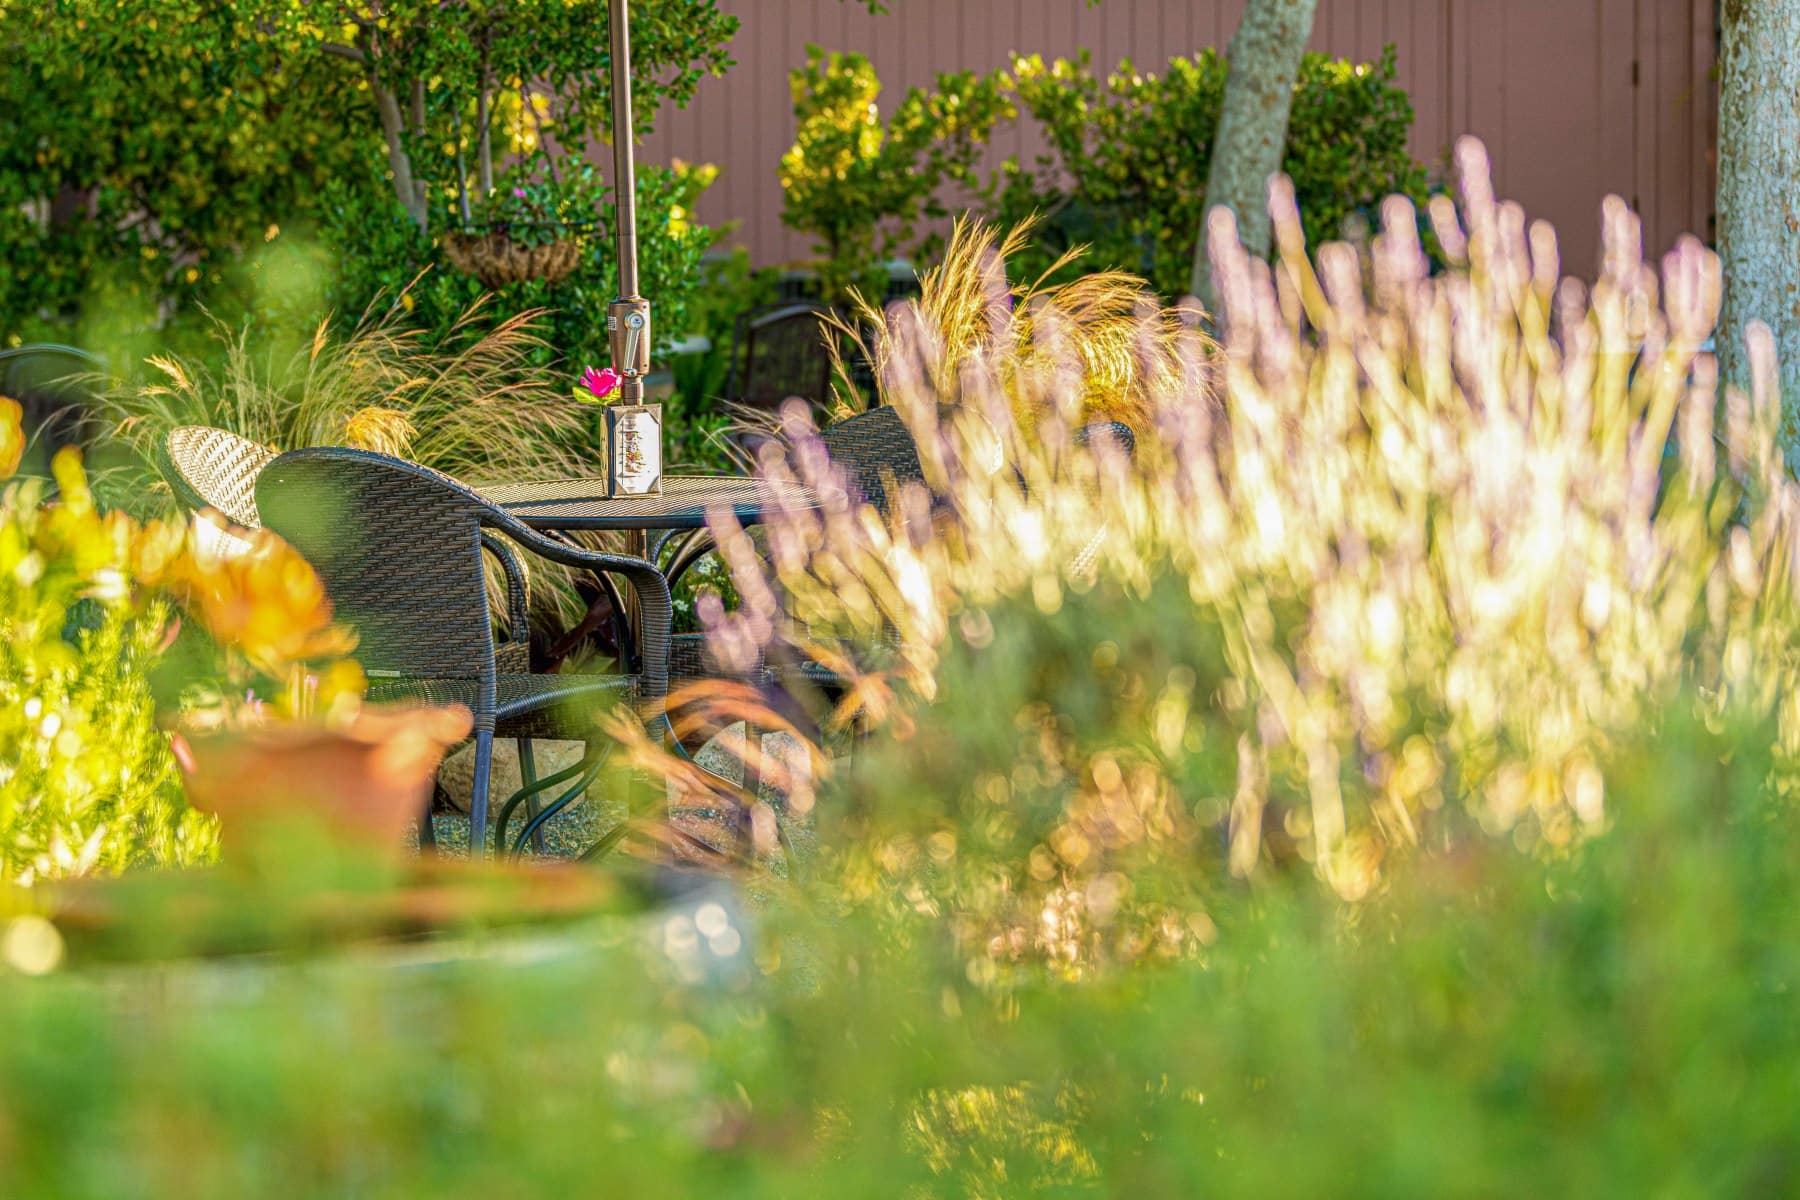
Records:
x=86, y=780
x=1441, y=546
x=862, y=186
x=90, y=623
x=1112, y=181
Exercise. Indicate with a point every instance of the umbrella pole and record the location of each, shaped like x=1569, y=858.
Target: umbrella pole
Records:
x=628, y=316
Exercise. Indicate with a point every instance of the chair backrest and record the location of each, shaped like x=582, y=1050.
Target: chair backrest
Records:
x=876, y=452
x=212, y=468
x=398, y=547
x=1117, y=432
x=54, y=385
x=782, y=352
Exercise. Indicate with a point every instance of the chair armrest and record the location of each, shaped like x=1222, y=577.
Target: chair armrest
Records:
x=518, y=622
x=655, y=610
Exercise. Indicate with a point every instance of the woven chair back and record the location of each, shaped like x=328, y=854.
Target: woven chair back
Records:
x=398, y=546
x=211, y=468
x=785, y=354
x=877, y=455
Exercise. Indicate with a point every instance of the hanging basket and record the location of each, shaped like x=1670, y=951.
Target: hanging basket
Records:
x=496, y=260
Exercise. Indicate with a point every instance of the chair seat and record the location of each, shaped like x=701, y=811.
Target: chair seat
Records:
x=552, y=707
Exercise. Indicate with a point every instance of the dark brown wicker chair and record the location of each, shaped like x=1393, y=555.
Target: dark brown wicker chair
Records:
x=399, y=548
x=778, y=353
x=214, y=468
x=55, y=385
x=877, y=454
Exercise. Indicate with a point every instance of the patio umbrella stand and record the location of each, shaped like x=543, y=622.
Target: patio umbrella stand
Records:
x=633, y=428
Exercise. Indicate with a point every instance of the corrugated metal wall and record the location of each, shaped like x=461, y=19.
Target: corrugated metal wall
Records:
x=1575, y=98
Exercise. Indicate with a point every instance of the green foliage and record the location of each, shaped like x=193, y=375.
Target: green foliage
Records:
x=379, y=251
x=862, y=185
x=149, y=148
x=1618, y=1024
x=87, y=783
x=534, y=208
x=159, y=156
x=727, y=286
x=1137, y=146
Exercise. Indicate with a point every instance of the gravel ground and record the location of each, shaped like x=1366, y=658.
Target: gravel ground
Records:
x=580, y=825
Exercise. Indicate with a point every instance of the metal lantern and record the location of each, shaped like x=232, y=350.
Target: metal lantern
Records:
x=634, y=429
x=634, y=449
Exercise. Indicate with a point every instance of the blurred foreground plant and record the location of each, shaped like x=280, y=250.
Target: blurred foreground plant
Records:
x=1438, y=546
x=102, y=618
x=1619, y=1020
x=86, y=780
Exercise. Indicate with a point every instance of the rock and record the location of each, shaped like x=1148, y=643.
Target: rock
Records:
x=457, y=776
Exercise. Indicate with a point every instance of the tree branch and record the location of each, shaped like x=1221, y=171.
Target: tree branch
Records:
x=342, y=51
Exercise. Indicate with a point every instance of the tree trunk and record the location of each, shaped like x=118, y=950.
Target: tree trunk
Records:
x=1759, y=194
x=484, y=145
x=421, y=192
x=1264, y=59
x=393, y=128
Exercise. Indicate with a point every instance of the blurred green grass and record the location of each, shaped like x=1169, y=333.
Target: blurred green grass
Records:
x=1619, y=1022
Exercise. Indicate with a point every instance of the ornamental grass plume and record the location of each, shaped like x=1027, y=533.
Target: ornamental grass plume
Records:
x=1445, y=548
x=1105, y=340
x=474, y=404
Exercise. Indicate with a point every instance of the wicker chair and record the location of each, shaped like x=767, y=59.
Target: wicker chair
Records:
x=778, y=353
x=399, y=548
x=55, y=385
x=217, y=469
x=211, y=468
x=877, y=454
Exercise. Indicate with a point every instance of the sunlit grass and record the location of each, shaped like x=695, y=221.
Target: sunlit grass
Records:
x=473, y=403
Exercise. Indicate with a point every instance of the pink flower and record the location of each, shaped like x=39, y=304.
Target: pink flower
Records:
x=519, y=192
x=602, y=382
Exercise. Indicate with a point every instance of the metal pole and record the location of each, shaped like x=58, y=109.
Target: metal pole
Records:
x=628, y=316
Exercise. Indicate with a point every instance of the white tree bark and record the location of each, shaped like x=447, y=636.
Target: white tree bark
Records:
x=1264, y=59
x=1759, y=194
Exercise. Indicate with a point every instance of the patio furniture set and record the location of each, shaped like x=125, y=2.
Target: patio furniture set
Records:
x=400, y=547
x=400, y=550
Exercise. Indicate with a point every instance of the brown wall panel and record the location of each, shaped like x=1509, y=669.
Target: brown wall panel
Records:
x=1548, y=84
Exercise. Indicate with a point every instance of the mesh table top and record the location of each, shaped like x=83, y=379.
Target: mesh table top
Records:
x=685, y=499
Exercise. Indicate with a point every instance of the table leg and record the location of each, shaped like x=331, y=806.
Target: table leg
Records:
x=638, y=544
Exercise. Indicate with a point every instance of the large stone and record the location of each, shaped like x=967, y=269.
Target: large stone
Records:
x=458, y=772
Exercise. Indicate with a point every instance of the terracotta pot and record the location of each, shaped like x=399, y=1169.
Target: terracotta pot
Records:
x=496, y=260
x=364, y=783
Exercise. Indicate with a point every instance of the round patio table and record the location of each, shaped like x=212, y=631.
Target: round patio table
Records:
x=572, y=505
x=575, y=504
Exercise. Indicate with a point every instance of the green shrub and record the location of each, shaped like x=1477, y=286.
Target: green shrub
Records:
x=861, y=185
x=380, y=251
x=166, y=156
x=1130, y=155
x=1618, y=1023
x=150, y=148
